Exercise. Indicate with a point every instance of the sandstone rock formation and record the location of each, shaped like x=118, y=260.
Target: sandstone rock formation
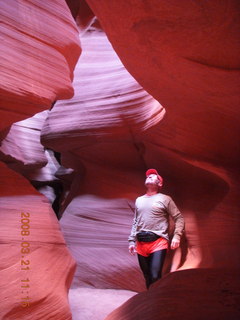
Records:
x=97, y=130
x=196, y=294
x=194, y=63
x=186, y=124
x=39, y=47
x=183, y=146
x=43, y=250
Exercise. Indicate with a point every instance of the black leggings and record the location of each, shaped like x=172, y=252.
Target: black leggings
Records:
x=151, y=266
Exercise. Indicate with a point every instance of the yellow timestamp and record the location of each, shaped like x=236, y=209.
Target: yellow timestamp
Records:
x=25, y=261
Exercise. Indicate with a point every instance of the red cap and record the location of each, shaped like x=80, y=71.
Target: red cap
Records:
x=154, y=171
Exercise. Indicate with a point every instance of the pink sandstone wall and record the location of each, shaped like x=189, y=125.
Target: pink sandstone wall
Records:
x=180, y=116
x=40, y=47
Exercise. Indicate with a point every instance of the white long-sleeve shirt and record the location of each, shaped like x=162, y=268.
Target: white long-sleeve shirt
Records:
x=152, y=214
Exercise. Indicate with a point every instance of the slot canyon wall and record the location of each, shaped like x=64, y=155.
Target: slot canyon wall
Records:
x=39, y=49
x=156, y=85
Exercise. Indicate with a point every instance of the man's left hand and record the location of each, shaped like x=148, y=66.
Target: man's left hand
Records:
x=175, y=244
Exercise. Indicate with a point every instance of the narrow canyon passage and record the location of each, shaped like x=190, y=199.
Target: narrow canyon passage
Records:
x=93, y=93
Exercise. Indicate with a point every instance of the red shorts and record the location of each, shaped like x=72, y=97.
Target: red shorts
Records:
x=146, y=248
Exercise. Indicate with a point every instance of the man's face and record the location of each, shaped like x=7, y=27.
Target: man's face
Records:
x=152, y=179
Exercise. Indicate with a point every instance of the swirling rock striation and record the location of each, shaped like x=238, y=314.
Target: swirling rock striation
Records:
x=39, y=52
x=40, y=47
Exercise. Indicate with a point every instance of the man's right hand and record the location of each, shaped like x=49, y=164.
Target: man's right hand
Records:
x=132, y=249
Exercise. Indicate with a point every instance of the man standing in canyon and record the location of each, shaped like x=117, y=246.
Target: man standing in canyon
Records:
x=149, y=235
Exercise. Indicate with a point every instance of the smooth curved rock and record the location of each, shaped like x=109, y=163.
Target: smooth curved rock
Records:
x=108, y=103
x=183, y=147
x=40, y=47
x=51, y=267
x=186, y=56
x=21, y=148
x=43, y=57
x=189, y=294
x=177, y=146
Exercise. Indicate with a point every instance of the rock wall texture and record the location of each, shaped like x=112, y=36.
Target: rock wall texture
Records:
x=36, y=267
x=95, y=135
x=39, y=49
x=195, y=78
x=181, y=55
x=189, y=147
x=196, y=294
x=108, y=103
x=176, y=111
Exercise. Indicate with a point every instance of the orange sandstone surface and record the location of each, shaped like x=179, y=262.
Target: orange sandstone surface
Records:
x=156, y=85
x=39, y=49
